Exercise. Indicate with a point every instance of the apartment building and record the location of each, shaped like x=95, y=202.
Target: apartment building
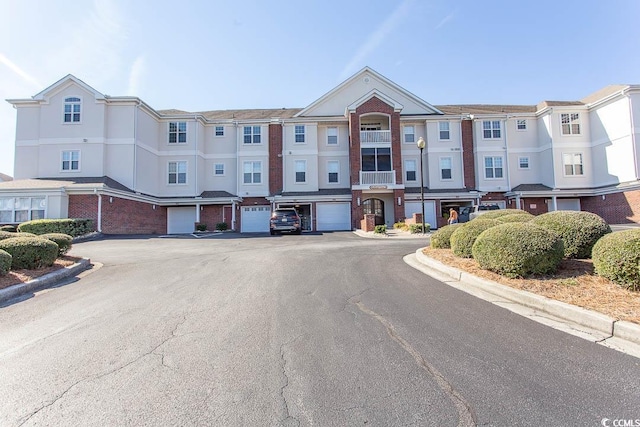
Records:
x=134, y=169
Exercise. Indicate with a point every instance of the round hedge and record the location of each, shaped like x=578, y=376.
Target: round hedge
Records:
x=9, y=235
x=5, y=262
x=616, y=256
x=516, y=217
x=500, y=213
x=30, y=252
x=579, y=230
x=441, y=239
x=64, y=241
x=463, y=237
x=9, y=228
x=518, y=249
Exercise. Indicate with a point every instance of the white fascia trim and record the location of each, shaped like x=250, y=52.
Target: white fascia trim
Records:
x=397, y=107
x=315, y=119
x=171, y=201
x=310, y=198
x=65, y=82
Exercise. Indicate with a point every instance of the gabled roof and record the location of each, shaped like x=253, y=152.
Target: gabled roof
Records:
x=485, y=109
x=63, y=82
x=377, y=94
x=530, y=187
x=603, y=93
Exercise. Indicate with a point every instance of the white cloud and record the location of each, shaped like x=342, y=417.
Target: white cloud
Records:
x=136, y=75
x=376, y=38
x=20, y=72
x=445, y=20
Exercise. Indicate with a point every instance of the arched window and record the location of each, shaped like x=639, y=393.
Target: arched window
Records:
x=72, y=109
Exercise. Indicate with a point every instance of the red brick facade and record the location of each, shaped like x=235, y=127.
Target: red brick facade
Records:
x=84, y=206
x=275, y=159
x=618, y=208
x=212, y=215
x=468, y=157
x=356, y=208
x=533, y=205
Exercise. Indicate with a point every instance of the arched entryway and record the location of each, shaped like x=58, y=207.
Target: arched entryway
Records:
x=375, y=207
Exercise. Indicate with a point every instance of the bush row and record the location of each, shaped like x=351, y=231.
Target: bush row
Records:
x=28, y=251
x=72, y=227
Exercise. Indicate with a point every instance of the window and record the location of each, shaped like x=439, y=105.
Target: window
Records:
x=376, y=159
x=252, y=173
x=21, y=209
x=218, y=169
x=409, y=134
x=572, y=164
x=570, y=123
x=70, y=161
x=299, y=134
x=523, y=162
x=177, y=132
x=493, y=167
x=219, y=130
x=177, y=172
x=332, y=136
x=252, y=134
x=445, y=131
x=491, y=129
x=301, y=171
x=410, y=170
x=72, y=110
x=521, y=124
x=445, y=168
x=333, y=167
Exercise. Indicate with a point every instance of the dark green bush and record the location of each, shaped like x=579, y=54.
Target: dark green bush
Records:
x=64, y=241
x=201, y=227
x=30, y=252
x=500, y=213
x=463, y=237
x=417, y=228
x=72, y=227
x=222, y=226
x=579, y=230
x=516, y=217
x=9, y=228
x=8, y=235
x=518, y=249
x=380, y=229
x=5, y=262
x=616, y=256
x=441, y=238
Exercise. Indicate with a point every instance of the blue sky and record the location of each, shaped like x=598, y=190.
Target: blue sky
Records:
x=205, y=55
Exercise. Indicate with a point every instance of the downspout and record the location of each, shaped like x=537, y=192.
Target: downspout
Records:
x=506, y=149
x=135, y=146
x=195, y=183
x=99, y=224
x=633, y=139
x=461, y=151
x=284, y=163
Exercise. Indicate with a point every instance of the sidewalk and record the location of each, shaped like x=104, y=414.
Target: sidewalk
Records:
x=392, y=234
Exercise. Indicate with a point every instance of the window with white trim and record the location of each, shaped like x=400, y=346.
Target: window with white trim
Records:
x=409, y=134
x=218, y=169
x=219, y=130
x=573, y=164
x=332, y=136
x=410, y=170
x=299, y=134
x=72, y=107
x=570, y=123
x=523, y=162
x=252, y=134
x=301, y=171
x=70, y=161
x=177, y=132
x=252, y=173
x=445, y=168
x=21, y=209
x=521, y=124
x=493, y=167
x=491, y=129
x=444, y=131
x=376, y=159
x=333, y=170
x=177, y=173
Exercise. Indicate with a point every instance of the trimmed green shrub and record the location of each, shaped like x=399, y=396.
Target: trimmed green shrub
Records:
x=201, y=227
x=222, y=226
x=9, y=228
x=462, y=238
x=518, y=249
x=616, y=256
x=72, y=227
x=64, y=241
x=441, y=238
x=579, y=230
x=501, y=213
x=400, y=225
x=516, y=217
x=5, y=262
x=380, y=229
x=9, y=235
x=30, y=252
x=417, y=228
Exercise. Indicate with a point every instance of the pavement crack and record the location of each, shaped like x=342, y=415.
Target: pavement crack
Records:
x=288, y=419
x=58, y=397
x=466, y=415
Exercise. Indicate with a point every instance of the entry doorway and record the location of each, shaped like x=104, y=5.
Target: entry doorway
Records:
x=375, y=207
x=304, y=212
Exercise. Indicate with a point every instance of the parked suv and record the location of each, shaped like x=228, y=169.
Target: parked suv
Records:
x=285, y=220
x=478, y=210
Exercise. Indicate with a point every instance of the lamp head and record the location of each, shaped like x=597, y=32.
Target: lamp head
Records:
x=421, y=143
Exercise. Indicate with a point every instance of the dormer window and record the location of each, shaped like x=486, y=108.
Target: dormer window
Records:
x=72, y=107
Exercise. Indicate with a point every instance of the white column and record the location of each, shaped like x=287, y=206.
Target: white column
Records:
x=99, y=224
x=233, y=216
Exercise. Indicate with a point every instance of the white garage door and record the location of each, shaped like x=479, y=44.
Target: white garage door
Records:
x=255, y=219
x=429, y=211
x=333, y=216
x=181, y=220
x=568, y=204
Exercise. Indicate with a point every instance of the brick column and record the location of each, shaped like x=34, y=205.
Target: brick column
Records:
x=354, y=148
x=468, y=156
x=356, y=211
x=275, y=159
x=396, y=146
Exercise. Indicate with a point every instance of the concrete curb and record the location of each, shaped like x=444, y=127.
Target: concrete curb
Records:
x=44, y=281
x=623, y=330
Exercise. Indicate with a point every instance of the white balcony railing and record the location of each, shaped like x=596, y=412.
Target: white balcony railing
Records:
x=377, y=178
x=375, y=136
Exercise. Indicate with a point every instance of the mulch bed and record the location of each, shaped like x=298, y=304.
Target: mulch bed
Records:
x=15, y=277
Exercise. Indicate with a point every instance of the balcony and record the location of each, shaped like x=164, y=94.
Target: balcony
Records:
x=375, y=137
x=377, y=178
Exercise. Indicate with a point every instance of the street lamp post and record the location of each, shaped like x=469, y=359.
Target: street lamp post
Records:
x=421, y=144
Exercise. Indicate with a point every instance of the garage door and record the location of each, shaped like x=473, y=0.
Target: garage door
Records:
x=255, y=219
x=181, y=220
x=568, y=204
x=333, y=216
x=429, y=211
